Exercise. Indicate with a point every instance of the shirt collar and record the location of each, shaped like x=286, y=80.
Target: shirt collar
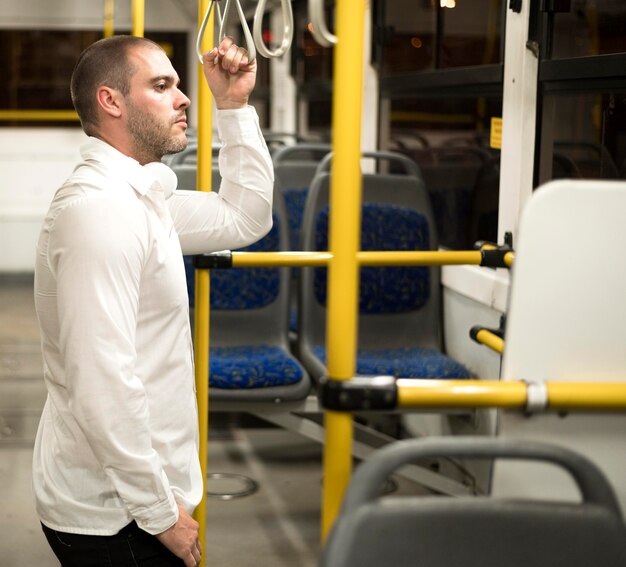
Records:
x=140, y=177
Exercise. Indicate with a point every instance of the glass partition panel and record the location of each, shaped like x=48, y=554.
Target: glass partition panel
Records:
x=448, y=138
x=584, y=136
x=591, y=27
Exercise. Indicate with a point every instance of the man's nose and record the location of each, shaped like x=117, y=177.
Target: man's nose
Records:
x=182, y=100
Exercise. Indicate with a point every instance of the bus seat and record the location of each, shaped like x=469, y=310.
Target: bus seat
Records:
x=190, y=153
x=484, y=201
x=276, y=141
x=399, y=307
x=438, y=531
x=294, y=167
x=186, y=173
x=566, y=322
x=450, y=173
x=483, y=210
x=592, y=160
x=251, y=366
x=249, y=354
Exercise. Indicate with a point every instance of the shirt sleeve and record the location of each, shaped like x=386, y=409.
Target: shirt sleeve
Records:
x=241, y=213
x=97, y=249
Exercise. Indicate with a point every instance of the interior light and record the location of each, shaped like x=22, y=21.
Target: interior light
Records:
x=416, y=42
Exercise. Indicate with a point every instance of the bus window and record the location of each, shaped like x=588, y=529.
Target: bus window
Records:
x=591, y=27
x=448, y=138
x=585, y=136
x=40, y=82
x=444, y=34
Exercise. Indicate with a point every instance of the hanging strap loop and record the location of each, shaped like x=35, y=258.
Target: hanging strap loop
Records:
x=244, y=26
x=257, y=29
x=221, y=20
x=319, y=29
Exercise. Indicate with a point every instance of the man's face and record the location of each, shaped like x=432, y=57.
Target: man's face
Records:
x=156, y=108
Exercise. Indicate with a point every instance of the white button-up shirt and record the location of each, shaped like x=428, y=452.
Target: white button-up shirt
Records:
x=118, y=438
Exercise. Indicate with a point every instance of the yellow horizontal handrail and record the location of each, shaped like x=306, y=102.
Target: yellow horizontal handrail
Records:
x=280, y=259
x=364, y=258
x=560, y=396
x=418, y=258
x=39, y=115
x=493, y=341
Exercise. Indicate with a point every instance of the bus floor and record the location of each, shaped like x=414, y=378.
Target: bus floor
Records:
x=278, y=525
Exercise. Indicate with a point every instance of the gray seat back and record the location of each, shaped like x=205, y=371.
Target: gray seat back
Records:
x=250, y=308
x=439, y=531
x=407, y=328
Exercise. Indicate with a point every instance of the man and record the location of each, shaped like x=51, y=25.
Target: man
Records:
x=116, y=471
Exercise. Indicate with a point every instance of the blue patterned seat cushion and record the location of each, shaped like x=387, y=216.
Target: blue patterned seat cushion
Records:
x=383, y=290
x=242, y=288
x=262, y=366
x=404, y=363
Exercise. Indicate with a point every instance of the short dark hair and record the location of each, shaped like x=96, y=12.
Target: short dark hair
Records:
x=104, y=62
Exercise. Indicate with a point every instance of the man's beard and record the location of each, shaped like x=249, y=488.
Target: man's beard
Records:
x=152, y=139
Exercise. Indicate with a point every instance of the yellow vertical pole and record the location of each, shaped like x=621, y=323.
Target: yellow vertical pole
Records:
x=138, y=17
x=109, y=11
x=345, y=222
x=201, y=323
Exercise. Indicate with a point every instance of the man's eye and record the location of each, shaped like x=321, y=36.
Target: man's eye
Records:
x=160, y=87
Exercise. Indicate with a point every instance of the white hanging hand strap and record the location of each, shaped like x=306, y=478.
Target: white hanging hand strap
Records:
x=221, y=20
x=257, y=29
x=319, y=29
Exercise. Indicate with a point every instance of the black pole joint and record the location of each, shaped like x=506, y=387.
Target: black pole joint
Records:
x=358, y=394
x=499, y=332
x=477, y=328
x=215, y=260
x=493, y=258
x=492, y=254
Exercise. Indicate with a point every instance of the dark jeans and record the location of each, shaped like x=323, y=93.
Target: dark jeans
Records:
x=131, y=547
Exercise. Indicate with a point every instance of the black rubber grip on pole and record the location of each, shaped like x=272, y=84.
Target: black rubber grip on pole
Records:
x=359, y=394
x=215, y=260
x=494, y=258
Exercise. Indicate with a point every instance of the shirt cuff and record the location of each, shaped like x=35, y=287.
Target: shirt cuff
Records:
x=157, y=519
x=238, y=124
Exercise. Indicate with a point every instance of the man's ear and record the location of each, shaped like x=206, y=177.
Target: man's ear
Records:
x=110, y=101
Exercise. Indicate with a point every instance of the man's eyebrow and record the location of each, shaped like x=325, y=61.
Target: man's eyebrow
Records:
x=170, y=79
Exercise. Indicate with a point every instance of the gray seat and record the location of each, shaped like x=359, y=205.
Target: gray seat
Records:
x=438, y=531
x=399, y=308
x=190, y=153
x=250, y=359
x=450, y=173
x=592, y=160
x=276, y=141
x=294, y=167
x=565, y=323
x=186, y=174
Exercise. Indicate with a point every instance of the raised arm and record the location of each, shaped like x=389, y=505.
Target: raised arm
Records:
x=242, y=211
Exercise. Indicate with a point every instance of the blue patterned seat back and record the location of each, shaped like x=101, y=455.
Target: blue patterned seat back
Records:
x=242, y=288
x=388, y=289
x=295, y=198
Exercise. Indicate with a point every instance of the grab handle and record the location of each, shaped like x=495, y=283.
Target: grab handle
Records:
x=319, y=30
x=244, y=26
x=257, y=29
x=221, y=20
